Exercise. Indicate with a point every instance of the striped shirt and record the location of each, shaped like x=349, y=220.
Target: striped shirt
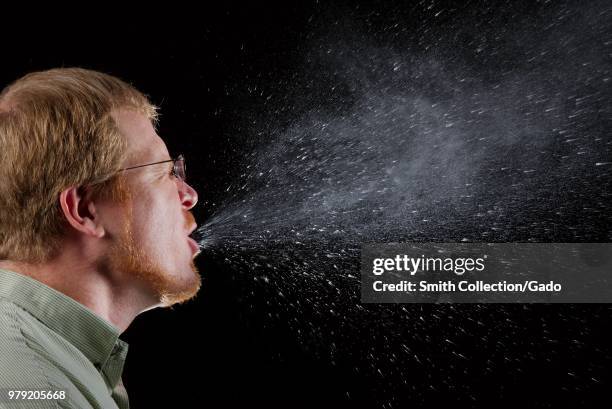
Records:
x=51, y=343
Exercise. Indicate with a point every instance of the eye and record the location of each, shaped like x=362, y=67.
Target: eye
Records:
x=171, y=171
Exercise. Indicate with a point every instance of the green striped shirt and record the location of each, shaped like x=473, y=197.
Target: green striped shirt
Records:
x=50, y=342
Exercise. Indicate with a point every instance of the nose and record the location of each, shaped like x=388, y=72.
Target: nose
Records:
x=187, y=195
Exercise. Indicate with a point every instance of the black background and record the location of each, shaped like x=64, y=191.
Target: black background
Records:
x=214, y=351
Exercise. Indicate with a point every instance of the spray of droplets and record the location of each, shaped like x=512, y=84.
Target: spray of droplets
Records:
x=501, y=138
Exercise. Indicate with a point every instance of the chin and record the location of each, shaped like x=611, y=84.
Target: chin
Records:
x=169, y=299
x=184, y=287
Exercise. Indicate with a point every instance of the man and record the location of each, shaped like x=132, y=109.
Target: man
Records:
x=94, y=229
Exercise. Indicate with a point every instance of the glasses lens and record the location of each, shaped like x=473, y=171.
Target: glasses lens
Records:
x=179, y=167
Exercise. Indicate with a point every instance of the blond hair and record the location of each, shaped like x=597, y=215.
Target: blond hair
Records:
x=56, y=131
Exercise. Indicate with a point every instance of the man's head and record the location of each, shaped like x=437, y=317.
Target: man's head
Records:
x=66, y=136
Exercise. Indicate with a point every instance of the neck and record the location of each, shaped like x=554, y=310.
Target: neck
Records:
x=103, y=293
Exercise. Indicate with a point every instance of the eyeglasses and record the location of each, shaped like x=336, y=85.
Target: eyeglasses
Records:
x=178, y=166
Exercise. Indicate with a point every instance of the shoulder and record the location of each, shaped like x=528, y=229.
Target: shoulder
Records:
x=20, y=364
x=23, y=365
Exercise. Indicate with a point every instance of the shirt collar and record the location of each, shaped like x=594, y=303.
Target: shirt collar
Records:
x=91, y=334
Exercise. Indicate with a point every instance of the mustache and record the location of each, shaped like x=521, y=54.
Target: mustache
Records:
x=189, y=220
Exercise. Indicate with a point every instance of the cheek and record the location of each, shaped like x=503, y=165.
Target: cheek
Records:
x=146, y=220
x=158, y=221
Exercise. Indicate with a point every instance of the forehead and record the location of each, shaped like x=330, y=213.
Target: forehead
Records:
x=143, y=142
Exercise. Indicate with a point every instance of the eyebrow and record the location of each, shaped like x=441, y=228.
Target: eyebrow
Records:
x=167, y=167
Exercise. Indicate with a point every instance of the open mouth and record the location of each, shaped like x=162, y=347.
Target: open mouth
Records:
x=195, y=247
x=193, y=240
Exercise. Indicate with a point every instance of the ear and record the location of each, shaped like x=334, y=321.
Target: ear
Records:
x=80, y=211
